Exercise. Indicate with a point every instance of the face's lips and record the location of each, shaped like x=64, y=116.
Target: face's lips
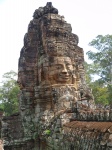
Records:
x=64, y=76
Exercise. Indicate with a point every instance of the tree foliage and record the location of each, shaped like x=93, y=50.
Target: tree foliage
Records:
x=102, y=66
x=89, y=71
x=100, y=93
x=9, y=93
x=102, y=58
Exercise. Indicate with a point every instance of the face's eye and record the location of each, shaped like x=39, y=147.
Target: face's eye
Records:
x=69, y=66
x=58, y=66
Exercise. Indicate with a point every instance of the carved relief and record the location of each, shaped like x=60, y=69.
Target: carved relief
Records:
x=56, y=70
x=54, y=97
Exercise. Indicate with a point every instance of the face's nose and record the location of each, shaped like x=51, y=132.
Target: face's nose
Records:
x=64, y=70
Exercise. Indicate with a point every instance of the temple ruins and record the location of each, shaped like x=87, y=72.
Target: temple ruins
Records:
x=56, y=107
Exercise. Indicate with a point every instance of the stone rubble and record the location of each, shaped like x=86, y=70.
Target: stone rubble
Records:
x=56, y=107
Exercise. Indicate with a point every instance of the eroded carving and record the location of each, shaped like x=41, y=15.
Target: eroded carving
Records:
x=56, y=106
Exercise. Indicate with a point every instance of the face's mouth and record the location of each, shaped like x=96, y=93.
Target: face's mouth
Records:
x=64, y=77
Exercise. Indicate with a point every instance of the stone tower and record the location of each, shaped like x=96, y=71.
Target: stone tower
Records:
x=51, y=69
x=53, y=90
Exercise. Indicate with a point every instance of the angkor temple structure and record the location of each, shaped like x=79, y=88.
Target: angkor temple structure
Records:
x=56, y=107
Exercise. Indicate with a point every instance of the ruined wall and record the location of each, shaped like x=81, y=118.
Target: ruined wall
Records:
x=13, y=134
x=55, y=103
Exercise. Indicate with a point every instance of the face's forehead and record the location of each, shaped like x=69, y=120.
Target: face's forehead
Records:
x=61, y=60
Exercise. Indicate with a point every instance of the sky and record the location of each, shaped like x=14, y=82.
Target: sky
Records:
x=88, y=19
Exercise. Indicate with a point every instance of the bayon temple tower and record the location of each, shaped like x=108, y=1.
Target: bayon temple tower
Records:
x=56, y=107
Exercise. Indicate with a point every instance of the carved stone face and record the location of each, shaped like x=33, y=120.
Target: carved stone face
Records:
x=56, y=70
x=63, y=69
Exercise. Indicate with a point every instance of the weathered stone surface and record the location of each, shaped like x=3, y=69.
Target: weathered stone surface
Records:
x=57, y=109
x=1, y=145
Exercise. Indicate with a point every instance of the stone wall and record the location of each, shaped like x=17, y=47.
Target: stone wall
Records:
x=56, y=107
x=13, y=135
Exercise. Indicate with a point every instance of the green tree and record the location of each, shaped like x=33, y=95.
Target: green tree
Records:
x=9, y=91
x=89, y=72
x=102, y=58
x=102, y=62
x=100, y=93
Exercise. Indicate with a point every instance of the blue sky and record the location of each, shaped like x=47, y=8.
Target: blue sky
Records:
x=88, y=18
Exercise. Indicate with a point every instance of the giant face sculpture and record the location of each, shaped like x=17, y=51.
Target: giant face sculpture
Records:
x=57, y=70
x=64, y=70
x=57, y=84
